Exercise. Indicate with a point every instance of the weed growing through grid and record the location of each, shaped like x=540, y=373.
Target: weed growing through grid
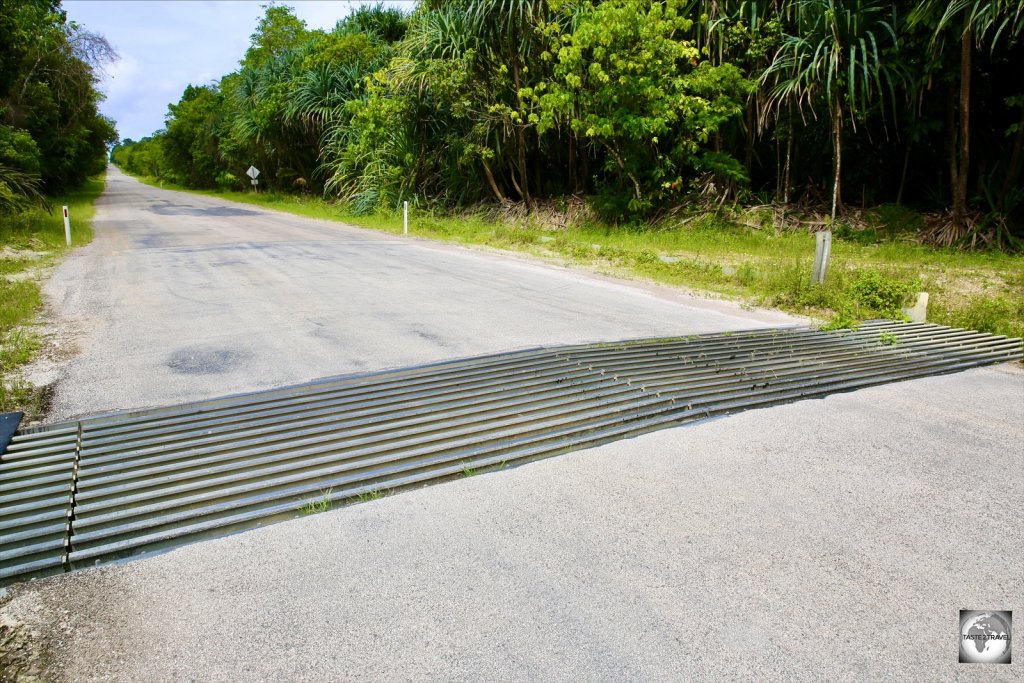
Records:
x=369, y=495
x=321, y=504
x=888, y=339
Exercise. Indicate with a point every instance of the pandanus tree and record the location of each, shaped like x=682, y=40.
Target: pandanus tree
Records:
x=494, y=45
x=507, y=31
x=841, y=55
x=974, y=24
x=19, y=189
x=745, y=33
x=394, y=126
x=386, y=23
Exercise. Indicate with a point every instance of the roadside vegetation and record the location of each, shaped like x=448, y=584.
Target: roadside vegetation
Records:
x=637, y=108
x=53, y=144
x=31, y=243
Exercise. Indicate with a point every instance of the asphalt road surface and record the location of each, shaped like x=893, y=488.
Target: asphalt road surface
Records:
x=832, y=539
x=182, y=297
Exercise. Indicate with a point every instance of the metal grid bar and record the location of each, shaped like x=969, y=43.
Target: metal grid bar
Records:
x=122, y=484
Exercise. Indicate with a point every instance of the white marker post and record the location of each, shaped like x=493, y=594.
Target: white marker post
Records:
x=67, y=226
x=405, y=218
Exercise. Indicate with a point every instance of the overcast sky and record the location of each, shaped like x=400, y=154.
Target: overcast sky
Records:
x=165, y=45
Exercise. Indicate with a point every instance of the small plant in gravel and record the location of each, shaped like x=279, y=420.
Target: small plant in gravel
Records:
x=321, y=504
x=367, y=496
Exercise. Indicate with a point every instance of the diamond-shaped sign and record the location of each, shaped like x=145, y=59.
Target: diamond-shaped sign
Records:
x=253, y=172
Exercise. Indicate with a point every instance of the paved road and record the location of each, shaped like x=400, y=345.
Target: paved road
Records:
x=182, y=297
x=824, y=540
x=832, y=539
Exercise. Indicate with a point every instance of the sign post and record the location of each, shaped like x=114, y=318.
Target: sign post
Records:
x=405, y=218
x=253, y=173
x=67, y=226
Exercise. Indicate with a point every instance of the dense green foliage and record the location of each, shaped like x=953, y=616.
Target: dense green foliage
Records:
x=52, y=136
x=640, y=105
x=53, y=142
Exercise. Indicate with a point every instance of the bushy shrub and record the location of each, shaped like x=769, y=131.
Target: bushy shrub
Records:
x=881, y=294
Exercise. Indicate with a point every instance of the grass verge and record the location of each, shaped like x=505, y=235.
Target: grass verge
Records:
x=31, y=242
x=873, y=272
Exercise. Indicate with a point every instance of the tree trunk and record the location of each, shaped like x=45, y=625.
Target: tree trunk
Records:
x=1013, y=169
x=636, y=183
x=523, y=174
x=748, y=157
x=491, y=181
x=573, y=188
x=521, y=141
x=538, y=171
x=585, y=169
x=16, y=111
x=786, y=184
x=778, y=169
x=951, y=143
x=512, y=177
x=903, y=175
x=963, y=153
x=837, y=150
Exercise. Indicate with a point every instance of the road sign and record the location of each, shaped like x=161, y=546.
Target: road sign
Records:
x=253, y=172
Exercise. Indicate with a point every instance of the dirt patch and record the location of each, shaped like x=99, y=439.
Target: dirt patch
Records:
x=7, y=253
x=559, y=214
x=46, y=622
x=23, y=275
x=22, y=649
x=59, y=343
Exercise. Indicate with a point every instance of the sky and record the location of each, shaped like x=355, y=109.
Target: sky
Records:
x=166, y=45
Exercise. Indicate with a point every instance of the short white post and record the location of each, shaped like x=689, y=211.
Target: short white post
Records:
x=405, y=218
x=67, y=226
x=823, y=249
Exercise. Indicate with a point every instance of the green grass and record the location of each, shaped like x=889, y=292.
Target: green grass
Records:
x=369, y=495
x=873, y=271
x=37, y=230
x=888, y=339
x=321, y=504
x=30, y=242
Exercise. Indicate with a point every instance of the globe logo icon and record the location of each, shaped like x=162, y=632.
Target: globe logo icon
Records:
x=985, y=637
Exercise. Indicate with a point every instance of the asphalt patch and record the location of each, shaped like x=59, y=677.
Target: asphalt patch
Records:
x=205, y=361
x=218, y=211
